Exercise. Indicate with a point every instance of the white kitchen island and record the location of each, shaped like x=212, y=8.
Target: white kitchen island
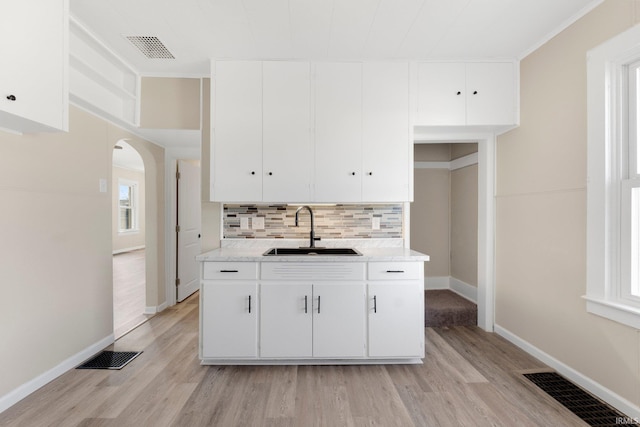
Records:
x=311, y=309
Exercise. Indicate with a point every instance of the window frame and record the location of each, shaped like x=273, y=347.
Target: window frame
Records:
x=609, y=183
x=134, y=186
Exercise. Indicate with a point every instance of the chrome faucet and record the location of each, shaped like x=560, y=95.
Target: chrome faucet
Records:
x=312, y=233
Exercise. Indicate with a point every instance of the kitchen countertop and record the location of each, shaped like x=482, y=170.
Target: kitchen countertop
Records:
x=254, y=254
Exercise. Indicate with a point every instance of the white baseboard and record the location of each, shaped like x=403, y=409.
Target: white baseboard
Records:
x=29, y=387
x=121, y=251
x=463, y=289
x=155, y=308
x=615, y=400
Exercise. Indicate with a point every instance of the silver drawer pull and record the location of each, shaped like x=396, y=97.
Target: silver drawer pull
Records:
x=228, y=271
x=395, y=271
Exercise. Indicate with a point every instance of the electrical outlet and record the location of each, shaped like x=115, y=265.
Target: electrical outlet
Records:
x=257, y=223
x=375, y=223
x=244, y=223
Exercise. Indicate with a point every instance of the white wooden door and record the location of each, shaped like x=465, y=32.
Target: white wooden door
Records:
x=188, y=221
x=286, y=132
x=285, y=320
x=339, y=320
x=229, y=320
x=236, y=152
x=338, y=132
x=396, y=319
x=385, y=126
x=441, y=94
x=490, y=93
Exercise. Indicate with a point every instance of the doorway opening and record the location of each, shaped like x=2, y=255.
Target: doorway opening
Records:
x=485, y=207
x=128, y=239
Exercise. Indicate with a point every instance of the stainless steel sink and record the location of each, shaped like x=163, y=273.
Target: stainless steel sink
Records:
x=311, y=251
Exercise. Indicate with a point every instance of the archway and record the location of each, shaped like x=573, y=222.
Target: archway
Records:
x=128, y=239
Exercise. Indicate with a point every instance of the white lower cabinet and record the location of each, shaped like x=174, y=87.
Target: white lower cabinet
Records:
x=285, y=320
x=396, y=319
x=312, y=320
x=396, y=309
x=229, y=319
x=348, y=312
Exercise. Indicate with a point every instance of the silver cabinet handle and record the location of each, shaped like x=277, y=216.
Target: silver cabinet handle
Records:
x=305, y=304
x=249, y=304
x=395, y=271
x=318, y=304
x=375, y=304
x=228, y=271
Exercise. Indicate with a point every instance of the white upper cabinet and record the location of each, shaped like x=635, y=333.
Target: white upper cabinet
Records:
x=34, y=44
x=261, y=143
x=466, y=94
x=286, y=138
x=338, y=132
x=236, y=151
x=385, y=128
x=491, y=93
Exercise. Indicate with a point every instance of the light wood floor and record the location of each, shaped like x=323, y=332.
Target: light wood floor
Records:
x=469, y=378
x=128, y=291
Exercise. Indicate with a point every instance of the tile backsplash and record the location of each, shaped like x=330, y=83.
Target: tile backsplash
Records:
x=331, y=221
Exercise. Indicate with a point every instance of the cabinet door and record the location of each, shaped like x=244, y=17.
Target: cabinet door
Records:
x=441, y=94
x=236, y=153
x=338, y=132
x=285, y=320
x=34, y=48
x=385, y=127
x=339, y=320
x=490, y=93
x=396, y=319
x=229, y=320
x=286, y=132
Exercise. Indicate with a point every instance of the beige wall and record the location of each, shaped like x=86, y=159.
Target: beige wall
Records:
x=430, y=219
x=170, y=103
x=464, y=223
x=56, y=268
x=541, y=216
x=129, y=240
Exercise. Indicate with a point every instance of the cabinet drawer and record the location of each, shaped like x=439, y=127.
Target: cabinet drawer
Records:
x=394, y=270
x=230, y=271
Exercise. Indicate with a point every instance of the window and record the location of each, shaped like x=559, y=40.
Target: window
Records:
x=127, y=205
x=613, y=185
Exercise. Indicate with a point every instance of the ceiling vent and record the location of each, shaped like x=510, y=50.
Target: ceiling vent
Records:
x=151, y=47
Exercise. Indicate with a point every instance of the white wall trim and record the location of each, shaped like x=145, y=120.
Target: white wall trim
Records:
x=464, y=289
x=153, y=309
x=133, y=248
x=585, y=382
x=29, y=387
x=459, y=163
x=463, y=162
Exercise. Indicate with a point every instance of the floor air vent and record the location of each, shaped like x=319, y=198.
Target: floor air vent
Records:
x=110, y=360
x=590, y=409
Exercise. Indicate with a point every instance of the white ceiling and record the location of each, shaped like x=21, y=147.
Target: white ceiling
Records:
x=197, y=30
